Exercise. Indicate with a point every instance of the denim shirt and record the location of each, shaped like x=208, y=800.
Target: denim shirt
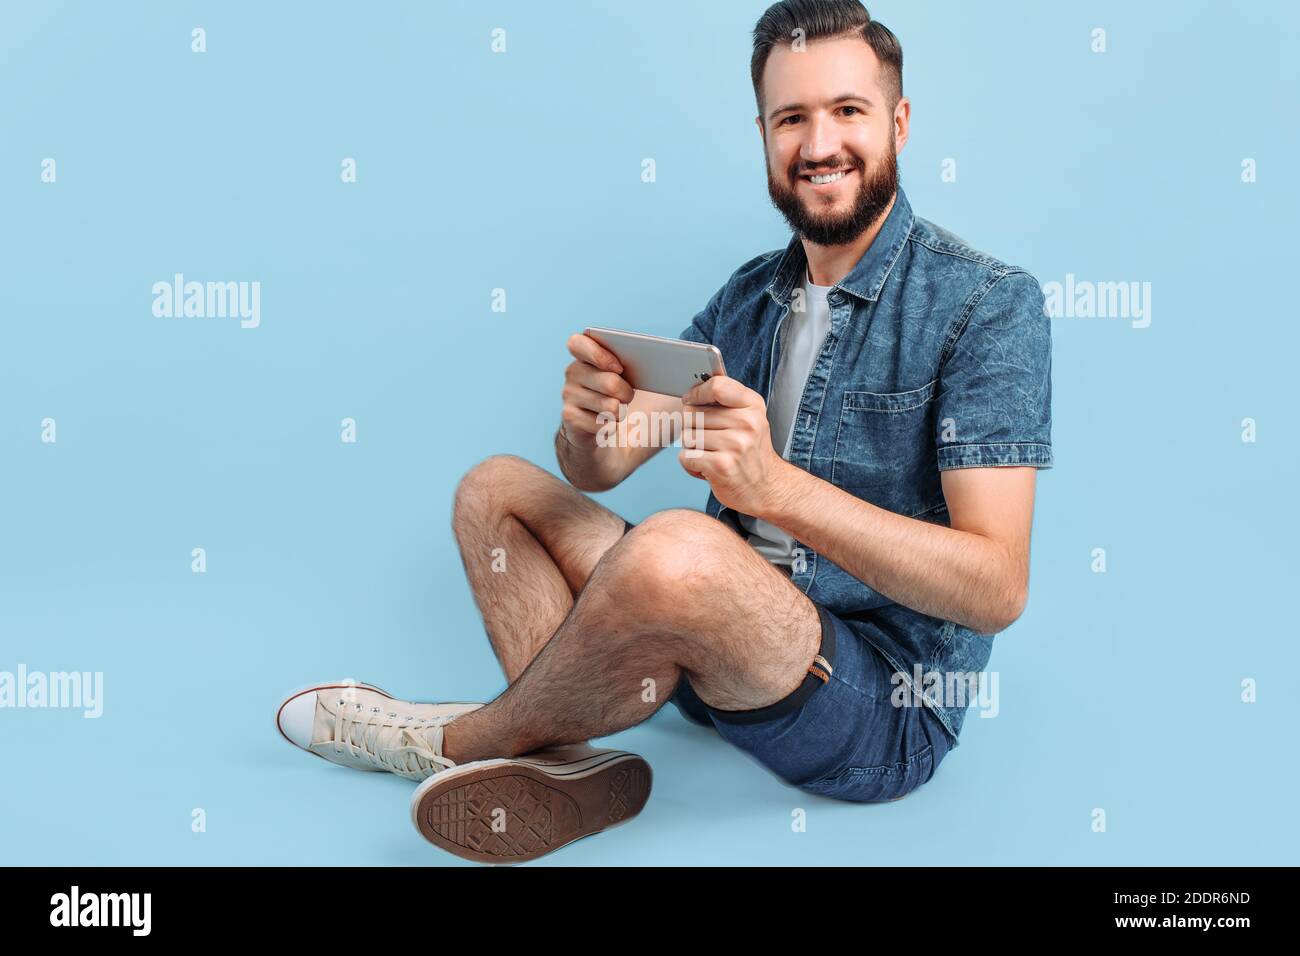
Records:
x=937, y=357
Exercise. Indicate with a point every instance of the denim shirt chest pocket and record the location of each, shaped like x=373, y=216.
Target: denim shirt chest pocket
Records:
x=884, y=448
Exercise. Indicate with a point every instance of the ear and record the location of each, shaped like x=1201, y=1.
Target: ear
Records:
x=902, y=122
x=762, y=133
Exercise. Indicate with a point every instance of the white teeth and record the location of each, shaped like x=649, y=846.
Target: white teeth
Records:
x=822, y=180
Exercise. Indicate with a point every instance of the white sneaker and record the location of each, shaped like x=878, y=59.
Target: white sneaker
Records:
x=360, y=726
x=517, y=809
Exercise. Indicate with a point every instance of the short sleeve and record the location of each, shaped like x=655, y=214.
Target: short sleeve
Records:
x=994, y=404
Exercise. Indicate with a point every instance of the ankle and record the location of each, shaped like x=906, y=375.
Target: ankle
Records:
x=453, y=744
x=463, y=741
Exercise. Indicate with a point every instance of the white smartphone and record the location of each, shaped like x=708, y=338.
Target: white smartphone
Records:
x=652, y=363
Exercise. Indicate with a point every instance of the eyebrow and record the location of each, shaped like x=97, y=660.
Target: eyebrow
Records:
x=842, y=98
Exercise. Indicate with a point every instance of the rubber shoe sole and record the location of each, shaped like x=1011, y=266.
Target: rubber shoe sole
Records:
x=519, y=809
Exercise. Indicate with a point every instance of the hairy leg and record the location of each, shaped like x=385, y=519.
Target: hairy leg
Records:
x=680, y=594
x=550, y=536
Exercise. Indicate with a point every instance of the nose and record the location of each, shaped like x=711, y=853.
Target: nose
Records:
x=822, y=141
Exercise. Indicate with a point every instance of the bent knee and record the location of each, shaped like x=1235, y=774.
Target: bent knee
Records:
x=678, y=552
x=492, y=480
x=685, y=523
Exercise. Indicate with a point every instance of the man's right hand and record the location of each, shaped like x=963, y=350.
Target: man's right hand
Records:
x=593, y=383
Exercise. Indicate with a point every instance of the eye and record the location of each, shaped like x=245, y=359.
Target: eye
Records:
x=787, y=119
x=854, y=108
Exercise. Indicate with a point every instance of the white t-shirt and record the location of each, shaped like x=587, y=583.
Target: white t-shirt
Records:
x=803, y=334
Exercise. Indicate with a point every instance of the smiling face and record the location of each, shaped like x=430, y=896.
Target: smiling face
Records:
x=832, y=135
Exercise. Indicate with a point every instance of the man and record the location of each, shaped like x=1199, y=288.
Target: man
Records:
x=871, y=461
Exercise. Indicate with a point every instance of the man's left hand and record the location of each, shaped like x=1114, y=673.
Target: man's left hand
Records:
x=727, y=442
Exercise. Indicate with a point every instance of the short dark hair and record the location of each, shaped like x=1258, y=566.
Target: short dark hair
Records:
x=824, y=19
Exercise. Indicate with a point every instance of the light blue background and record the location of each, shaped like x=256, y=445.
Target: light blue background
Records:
x=1118, y=690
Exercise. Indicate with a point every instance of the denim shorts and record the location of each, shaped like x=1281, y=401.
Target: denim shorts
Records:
x=842, y=737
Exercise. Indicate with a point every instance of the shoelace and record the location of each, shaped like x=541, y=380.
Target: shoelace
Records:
x=390, y=743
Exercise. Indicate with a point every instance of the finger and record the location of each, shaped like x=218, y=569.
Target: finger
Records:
x=720, y=390
x=693, y=466
x=579, y=420
x=592, y=401
x=607, y=383
x=713, y=416
x=586, y=349
x=709, y=439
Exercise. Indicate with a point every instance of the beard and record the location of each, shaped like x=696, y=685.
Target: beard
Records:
x=875, y=191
